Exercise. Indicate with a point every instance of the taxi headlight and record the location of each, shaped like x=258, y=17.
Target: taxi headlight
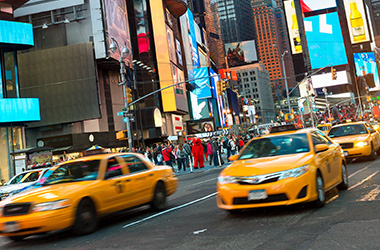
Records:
x=361, y=144
x=226, y=179
x=295, y=172
x=53, y=205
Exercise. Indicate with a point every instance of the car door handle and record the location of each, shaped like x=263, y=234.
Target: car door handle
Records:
x=150, y=175
x=127, y=180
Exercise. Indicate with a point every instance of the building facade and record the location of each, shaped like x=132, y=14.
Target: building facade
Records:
x=255, y=85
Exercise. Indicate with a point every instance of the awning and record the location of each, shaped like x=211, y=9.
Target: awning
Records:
x=57, y=150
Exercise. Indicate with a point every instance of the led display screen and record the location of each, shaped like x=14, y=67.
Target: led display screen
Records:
x=202, y=83
x=325, y=40
x=19, y=110
x=357, y=21
x=365, y=63
x=240, y=53
x=292, y=23
x=325, y=80
x=16, y=33
x=313, y=5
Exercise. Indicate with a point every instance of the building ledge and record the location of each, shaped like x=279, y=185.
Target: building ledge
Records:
x=176, y=7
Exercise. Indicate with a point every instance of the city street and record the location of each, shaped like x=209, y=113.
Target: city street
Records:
x=192, y=221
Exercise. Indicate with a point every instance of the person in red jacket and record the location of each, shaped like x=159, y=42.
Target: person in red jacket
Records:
x=198, y=154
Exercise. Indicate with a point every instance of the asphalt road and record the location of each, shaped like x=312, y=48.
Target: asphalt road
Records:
x=350, y=220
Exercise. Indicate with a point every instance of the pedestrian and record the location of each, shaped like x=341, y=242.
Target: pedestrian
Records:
x=215, y=149
x=188, y=150
x=160, y=158
x=232, y=145
x=198, y=154
x=148, y=154
x=167, y=154
x=181, y=158
x=209, y=152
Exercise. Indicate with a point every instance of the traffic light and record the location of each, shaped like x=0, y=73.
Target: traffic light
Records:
x=219, y=86
x=129, y=95
x=333, y=73
x=224, y=85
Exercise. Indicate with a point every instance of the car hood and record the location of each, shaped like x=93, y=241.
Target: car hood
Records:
x=267, y=165
x=50, y=193
x=13, y=187
x=350, y=138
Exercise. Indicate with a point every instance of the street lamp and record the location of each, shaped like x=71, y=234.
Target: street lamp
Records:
x=123, y=52
x=286, y=80
x=327, y=103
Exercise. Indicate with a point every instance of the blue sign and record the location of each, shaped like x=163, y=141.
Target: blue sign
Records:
x=365, y=63
x=202, y=82
x=16, y=33
x=193, y=39
x=325, y=40
x=19, y=110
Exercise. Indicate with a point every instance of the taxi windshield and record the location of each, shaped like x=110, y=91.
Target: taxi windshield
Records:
x=353, y=129
x=276, y=145
x=72, y=172
x=323, y=128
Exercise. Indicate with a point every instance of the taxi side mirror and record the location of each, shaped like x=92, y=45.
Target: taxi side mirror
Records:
x=321, y=147
x=233, y=157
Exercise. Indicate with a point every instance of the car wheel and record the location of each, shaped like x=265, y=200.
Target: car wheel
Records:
x=158, y=202
x=85, y=220
x=321, y=199
x=372, y=156
x=17, y=238
x=344, y=184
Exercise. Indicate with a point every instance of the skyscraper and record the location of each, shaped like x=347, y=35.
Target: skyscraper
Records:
x=236, y=20
x=272, y=42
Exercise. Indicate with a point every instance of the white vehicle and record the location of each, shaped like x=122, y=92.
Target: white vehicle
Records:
x=20, y=182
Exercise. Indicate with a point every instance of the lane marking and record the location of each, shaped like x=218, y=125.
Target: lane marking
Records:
x=170, y=210
x=362, y=181
x=199, y=183
x=353, y=174
x=332, y=199
x=371, y=195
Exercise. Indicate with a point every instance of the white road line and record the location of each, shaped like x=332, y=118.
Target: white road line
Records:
x=170, y=210
x=353, y=174
x=362, y=181
x=199, y=183
x=371, y=195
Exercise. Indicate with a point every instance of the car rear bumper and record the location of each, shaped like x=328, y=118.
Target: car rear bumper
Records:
x=284, y=192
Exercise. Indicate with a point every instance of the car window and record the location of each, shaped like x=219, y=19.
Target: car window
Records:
x=323, y=128
x=134, y=164
x=323, y=137
x=33, y=176
x=316, y=139
x=113, y=169
x=351, y=129
x=72, y=172
x=18, y=178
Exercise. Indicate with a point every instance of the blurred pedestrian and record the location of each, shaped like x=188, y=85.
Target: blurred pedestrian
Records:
x=181, y=158
x=209, y=152
x=198, y=154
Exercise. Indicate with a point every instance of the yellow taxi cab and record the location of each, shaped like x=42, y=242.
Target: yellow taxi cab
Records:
x=74, y=194
x=375, y=125
x=325, y=128
x=357, y=139
x=283, y=168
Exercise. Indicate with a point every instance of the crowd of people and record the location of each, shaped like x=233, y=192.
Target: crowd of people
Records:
x=194, y=153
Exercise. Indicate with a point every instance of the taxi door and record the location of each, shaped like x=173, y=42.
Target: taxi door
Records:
x=324, y=160
x=140, y=179
x=111, y=192
x=375, y=137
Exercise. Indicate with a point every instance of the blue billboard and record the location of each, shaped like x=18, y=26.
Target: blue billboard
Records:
x=16, y=33
x=19, y=110
x=365, y=63
x=202, y=83
x=325, y=40
x=193, y=39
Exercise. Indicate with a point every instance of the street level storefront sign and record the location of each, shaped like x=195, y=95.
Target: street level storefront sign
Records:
x=214, y=133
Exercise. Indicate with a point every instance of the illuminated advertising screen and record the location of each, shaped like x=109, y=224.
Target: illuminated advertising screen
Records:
x=19, y=110
x=199, y=107
x=241, y=53
x=313, y=5
x=202, y=83
x=16, y=33
x=365, y=63
x=325, y=80
x=292, y=23
x=357, y=21
x=325, y=40
x=117, y=26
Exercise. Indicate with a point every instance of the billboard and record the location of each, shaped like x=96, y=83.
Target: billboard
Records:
x=313, y=5
x=202, y=82
x=325, y=40
x=325, y=80
x=291, y=21
x=240, y=53
x=357, y=21
x=16, y=33
x=118, y=27
x=366, y=63
x=19, y=109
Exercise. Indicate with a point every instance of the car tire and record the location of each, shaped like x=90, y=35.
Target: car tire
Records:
x=344, y=184
x=372, y=156
x=17, y=238
x=85, y=220
x=158, y=202
x=321, y=198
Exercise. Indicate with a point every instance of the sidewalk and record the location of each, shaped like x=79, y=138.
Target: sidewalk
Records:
x=205, y=168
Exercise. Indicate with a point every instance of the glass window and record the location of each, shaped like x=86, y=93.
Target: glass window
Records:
x=113, y=169
x=10, y=75
x=352, y=129
x=134, y=164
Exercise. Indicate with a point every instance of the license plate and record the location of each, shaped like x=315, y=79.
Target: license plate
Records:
x=11, y=226
x=345, y=153
x=260, y=194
